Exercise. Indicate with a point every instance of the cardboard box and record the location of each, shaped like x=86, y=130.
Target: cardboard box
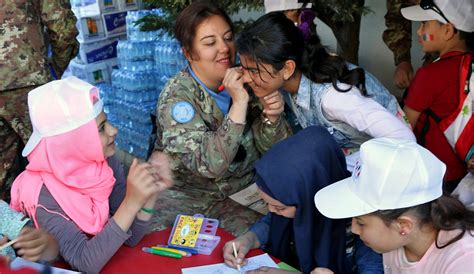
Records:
x=94, y=74
x=129, y=4
x=114, y=23
x=98, y=50
x=90, y=29
x=89, y=8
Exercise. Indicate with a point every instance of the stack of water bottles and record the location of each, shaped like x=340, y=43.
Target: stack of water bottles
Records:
x=145, y=63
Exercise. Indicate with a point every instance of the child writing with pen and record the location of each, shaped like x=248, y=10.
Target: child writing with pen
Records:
x=74, y=187
x=18, y=238
x=288, y=176
x=396, y=201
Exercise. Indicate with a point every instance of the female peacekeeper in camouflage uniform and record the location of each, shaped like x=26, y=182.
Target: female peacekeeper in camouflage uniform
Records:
x=213, y=138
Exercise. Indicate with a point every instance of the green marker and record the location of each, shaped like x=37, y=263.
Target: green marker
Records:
x=162, y=253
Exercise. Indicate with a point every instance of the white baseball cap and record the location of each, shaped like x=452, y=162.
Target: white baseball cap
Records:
x=281, y=5
x=390, y=174
x=458, y=12
x=61, y=106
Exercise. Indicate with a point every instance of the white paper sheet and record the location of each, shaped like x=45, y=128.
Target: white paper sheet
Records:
x=249, y=197
x=252, y=263
x=19, y=263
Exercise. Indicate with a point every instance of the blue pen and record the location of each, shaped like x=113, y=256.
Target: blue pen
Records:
x=185, y=249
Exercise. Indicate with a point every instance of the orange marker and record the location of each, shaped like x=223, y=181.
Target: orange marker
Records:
x=221, y=88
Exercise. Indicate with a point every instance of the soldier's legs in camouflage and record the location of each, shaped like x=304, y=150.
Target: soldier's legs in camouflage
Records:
x=233, y=217
x=9, y=143
x=170, y=203
x=15, y=129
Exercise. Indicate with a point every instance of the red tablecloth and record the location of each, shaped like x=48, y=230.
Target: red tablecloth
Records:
x=134, y=260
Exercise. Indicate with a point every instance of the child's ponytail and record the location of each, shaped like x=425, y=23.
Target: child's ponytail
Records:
x=321, y=67
x=448, y=213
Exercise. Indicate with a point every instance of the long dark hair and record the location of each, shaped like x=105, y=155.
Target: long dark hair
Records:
x=273, y=39
x=444, y=213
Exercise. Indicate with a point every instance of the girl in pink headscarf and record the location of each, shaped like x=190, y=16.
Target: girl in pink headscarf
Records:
x=74, y=187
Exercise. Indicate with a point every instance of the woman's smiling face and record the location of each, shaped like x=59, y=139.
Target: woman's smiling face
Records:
x=213, y=51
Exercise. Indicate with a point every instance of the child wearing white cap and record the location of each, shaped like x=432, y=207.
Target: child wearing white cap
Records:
x=299, y=12
x=291, y=8
x=395, y=198
x=74, y=187
x=437, y=93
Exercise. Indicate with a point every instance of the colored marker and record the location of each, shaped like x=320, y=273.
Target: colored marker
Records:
x=185, y=249
x=162, y=253
x=190, y=251
x=221, y=88
x=182, y=253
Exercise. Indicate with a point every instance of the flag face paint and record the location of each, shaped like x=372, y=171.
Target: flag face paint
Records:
x=428, y=37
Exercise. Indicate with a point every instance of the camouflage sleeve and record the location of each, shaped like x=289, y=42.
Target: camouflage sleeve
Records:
x=267, y=134
x=60, y=22
x=205, y=151
x=397, y=36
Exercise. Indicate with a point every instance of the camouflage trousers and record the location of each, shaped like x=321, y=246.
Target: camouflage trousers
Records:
x=233, y=217
x=15, y=129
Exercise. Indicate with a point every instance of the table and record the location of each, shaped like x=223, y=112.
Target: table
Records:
x=134, y=260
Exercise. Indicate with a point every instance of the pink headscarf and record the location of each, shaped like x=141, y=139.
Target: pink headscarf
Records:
x=72, y=167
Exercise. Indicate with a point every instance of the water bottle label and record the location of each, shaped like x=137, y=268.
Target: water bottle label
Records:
x=115, y=22
x=102, y=53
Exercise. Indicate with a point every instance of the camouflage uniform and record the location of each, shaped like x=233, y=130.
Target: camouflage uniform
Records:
x=23, y=66
x=211, y=156
x=397, y=36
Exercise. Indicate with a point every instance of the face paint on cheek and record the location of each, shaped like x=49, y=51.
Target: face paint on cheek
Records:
x=428, y=37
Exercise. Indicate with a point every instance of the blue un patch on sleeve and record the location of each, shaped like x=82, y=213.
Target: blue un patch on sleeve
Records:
x=182, y=112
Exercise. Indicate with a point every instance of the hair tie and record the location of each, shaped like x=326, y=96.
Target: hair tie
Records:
x=307, y=17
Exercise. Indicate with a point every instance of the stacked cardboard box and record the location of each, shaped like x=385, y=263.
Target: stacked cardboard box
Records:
x=101, y=24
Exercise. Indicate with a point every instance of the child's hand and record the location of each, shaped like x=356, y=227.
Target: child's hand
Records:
x=163, y=176
x=273, y=105
x=141, y=183
x=243, y=244
x=161, y=163
x=35, y=244
x=228, y=252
